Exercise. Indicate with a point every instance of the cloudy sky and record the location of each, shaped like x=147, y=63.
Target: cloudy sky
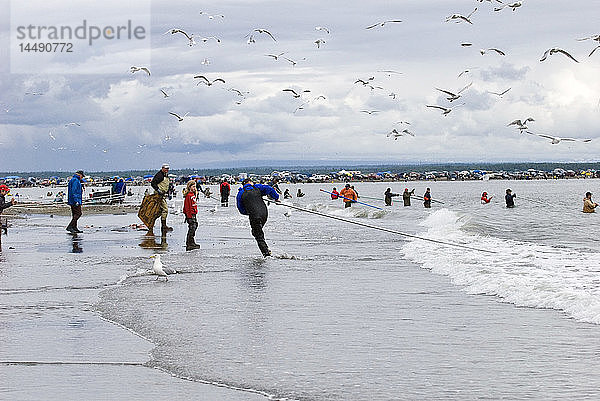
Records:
x=124, y=122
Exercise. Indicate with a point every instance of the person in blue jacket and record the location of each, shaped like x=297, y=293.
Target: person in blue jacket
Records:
x=250, y=203
x=74, y=199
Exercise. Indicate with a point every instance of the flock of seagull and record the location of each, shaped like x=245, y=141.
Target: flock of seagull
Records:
x=305, y=96
x=450, y=95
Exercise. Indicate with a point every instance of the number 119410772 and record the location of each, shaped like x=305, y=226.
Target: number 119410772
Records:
x=47, y=47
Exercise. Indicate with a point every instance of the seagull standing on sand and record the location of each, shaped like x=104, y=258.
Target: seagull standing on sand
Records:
x=157, y=267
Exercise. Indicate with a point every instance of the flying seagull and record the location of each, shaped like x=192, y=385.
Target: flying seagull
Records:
x=383, y=23
x=364, y=82
x=136, y=69
x=319, y=42
x=239, y=92
x=190, y=38
x=322, y=28
x=397, y=134
x=164, y=93
x=557, y=50
x=73, y=123
x=294, y=93
x=206, y=39
x=445, y=110
x=275, y=56
x=592, y=37
x=370, y=112
x=521, y=125
x=466, y=44
x=492, y=49
x=459, y=17
x=592, y=52
x=259, y=30
x=454, y=96
x=556, y=140
x=178, y=116
x=514, y=6
x=51, y=136
x=206, y=81
x=212, y=16
x=501, y=93
x=390, y=72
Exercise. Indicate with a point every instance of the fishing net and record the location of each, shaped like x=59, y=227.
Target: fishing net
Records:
x=150, y=209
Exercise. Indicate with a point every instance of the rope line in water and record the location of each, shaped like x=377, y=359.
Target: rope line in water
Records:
x=383, y=228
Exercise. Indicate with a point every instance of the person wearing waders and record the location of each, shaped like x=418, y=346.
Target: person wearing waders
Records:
x=190, y=209
x=225, y=189
x=250, y=203
x=510, y=198
x=160, y=183
x=406, y=196
x=388, y=196
x=427, y=199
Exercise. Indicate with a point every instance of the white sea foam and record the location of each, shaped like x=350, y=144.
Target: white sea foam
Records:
x=521, y=273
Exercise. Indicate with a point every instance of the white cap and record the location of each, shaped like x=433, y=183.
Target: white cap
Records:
x=166, y=165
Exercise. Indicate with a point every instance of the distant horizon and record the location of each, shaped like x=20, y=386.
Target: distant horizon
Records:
x=321, y=166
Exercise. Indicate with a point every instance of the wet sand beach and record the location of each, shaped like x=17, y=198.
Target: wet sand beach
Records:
x=341, y=312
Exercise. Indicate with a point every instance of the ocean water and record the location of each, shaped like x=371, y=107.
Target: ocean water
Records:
x=343, y=311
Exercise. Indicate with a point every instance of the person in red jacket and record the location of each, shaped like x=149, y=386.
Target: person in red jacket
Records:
x=225, y=189
x=334, y=194
x=190, y=209
x=485, y=199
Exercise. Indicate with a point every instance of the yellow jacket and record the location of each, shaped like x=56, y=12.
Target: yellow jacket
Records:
x=588, y=206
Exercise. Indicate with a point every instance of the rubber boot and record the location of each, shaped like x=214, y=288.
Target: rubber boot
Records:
x=164, y=227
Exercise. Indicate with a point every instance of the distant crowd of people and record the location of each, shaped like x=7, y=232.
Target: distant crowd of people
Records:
x=249, y=201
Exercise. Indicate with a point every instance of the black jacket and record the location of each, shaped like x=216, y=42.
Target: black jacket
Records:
x=158, y=178
x=4, y=204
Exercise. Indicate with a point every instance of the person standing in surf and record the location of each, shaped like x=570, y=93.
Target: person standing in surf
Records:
x=250, y=203
x=388, y=194
x=349, y=196
x=427, y=198
x=406, y=196
x=588, y=205
x=510, y=198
